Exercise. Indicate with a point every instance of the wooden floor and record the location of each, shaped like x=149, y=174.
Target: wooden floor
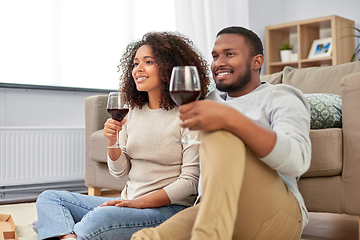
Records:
x=327, y=226
x=322, y=226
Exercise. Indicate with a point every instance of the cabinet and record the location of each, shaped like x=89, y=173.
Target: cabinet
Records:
x=301, y=35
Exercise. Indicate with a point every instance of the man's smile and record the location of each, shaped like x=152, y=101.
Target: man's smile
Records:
x=222, y=74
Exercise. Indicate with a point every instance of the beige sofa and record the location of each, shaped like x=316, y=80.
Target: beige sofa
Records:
x=332, y=184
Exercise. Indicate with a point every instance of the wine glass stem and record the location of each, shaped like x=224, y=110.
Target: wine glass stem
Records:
x=117, y=144
x=117, y=137
x=186, y=135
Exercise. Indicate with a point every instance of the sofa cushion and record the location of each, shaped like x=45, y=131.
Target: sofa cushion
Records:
x=325, y=109
x=211, y=86
x=98, y=146
x=319, y=79
x=326, y=155
x=274, y=78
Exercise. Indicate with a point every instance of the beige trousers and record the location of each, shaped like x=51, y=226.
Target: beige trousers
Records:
x=242, y=198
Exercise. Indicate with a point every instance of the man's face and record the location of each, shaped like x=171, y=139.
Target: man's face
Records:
x=231, y=65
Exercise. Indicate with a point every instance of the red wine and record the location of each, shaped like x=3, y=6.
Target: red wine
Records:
x=183, y=97
x=118, y=114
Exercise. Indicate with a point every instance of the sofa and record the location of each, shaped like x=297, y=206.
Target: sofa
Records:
x=332, y=183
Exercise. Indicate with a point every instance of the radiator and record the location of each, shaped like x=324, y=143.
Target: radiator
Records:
x=33, y=155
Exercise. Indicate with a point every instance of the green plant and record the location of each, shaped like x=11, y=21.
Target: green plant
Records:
x=286, y=46
x=357, y=49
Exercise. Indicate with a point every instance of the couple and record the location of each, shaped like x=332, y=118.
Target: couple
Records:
x=254, y=145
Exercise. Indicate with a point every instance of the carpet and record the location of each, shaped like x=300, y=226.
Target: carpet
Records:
x=23, y=215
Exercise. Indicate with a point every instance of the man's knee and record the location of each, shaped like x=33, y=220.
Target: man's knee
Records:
x=221, y=143
x=146, y=234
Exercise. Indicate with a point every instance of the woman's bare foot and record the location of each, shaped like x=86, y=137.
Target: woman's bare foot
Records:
x=69, y=236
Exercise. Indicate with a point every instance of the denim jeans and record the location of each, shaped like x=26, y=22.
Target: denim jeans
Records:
x=63, y=212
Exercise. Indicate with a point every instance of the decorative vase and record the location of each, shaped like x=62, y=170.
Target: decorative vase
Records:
x=285, y=55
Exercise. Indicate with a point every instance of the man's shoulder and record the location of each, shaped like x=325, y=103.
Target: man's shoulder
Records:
x=216, y=95
x=286, y=94
x=264, y=89
x=280, y=89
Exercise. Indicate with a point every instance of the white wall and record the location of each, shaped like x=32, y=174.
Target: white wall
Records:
x=42, y=108
x=303, y=9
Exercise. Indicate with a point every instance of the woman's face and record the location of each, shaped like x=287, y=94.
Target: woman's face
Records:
x=146, y=75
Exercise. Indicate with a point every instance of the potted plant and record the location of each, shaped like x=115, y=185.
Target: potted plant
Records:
x=285, y=52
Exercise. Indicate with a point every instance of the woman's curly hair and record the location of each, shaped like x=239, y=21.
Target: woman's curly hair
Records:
x=170, y=49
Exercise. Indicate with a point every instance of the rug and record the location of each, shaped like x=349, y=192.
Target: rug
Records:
x=23, y=215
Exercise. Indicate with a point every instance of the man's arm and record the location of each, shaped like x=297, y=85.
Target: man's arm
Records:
x=208, y=115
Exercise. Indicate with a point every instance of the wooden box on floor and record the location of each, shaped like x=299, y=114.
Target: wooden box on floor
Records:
x=7, y=228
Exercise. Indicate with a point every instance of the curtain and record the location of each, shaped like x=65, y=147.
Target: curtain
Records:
x=200, y=20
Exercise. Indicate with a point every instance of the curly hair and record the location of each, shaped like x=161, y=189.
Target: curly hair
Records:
x=170, y=49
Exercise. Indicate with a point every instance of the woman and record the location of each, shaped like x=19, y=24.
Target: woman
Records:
x=163, y=176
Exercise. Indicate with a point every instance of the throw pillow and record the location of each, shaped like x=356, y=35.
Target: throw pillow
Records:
x=212, y=85
x=325, y=109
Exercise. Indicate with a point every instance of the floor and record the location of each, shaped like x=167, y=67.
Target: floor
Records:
x=327, y=226
x=322, y=226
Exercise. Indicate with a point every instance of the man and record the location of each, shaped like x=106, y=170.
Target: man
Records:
x=254, y=146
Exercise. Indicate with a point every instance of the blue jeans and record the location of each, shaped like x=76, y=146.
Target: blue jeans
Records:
x=63, y=212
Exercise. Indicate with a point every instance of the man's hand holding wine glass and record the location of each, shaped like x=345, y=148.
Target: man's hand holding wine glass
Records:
x=200, y=115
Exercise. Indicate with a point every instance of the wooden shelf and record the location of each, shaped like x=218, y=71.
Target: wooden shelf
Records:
x=301, y=35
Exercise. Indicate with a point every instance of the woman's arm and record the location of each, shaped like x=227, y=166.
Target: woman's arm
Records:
x=152, y=200
x=118, y=163
x=186, y=184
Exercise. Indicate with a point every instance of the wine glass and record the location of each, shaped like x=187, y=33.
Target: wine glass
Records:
x=185, y=88
x=117, y=108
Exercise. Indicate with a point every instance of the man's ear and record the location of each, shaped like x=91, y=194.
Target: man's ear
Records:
x=258, y=61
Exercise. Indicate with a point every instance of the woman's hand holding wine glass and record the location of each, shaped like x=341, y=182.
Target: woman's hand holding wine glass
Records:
x=111, y=128
x=117, y=109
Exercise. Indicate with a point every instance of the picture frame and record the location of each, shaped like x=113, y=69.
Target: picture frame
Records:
x=321, y=48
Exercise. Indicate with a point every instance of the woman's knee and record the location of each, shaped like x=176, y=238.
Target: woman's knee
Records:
x=109, y=221
x=90, y=223
x=46, y=196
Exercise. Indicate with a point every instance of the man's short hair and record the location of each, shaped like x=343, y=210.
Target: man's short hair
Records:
x=251, y=39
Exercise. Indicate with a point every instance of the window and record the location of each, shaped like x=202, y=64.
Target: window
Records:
x=74, y=43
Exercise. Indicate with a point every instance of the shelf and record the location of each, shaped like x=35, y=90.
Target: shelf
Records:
x=282, y=63
x=301, y=35
x=326, y=59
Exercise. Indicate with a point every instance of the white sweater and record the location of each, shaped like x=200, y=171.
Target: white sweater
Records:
x=283, y=109
x=153, y=160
